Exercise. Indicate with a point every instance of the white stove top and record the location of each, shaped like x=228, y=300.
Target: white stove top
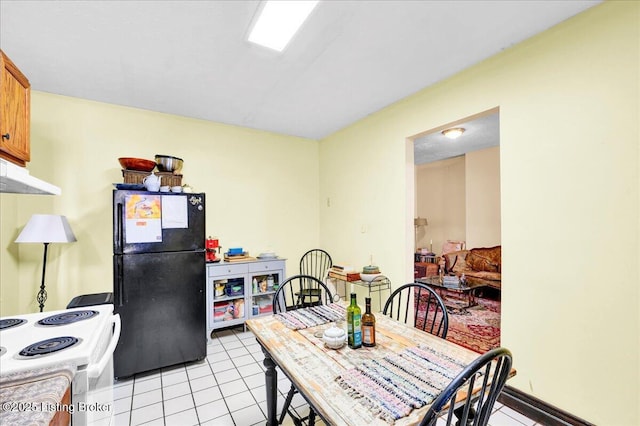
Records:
x=88, y=331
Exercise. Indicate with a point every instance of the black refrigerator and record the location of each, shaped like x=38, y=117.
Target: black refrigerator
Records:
x=159, y=278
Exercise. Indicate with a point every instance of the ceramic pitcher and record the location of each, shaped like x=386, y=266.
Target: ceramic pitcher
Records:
x=152, y=182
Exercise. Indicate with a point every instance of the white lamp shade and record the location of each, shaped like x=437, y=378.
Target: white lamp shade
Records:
x=46, y=228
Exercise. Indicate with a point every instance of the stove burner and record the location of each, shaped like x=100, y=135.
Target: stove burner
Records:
x=11, y=322
x=67, y=317
x=48, y=346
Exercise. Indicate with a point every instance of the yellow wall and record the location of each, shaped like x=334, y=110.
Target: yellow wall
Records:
x=569, y=182
x=261, y=191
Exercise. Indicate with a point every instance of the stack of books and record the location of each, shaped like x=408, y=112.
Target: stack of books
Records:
x=344, y=273
x=451, y=281
x=238, y=257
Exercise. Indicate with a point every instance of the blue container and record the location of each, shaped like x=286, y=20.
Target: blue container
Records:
x=234, y=290
x=236, y=250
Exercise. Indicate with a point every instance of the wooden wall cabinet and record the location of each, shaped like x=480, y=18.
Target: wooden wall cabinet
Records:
x=15, y=110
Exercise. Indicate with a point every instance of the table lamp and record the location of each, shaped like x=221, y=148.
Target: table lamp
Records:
x=418, y=222
x=46, y=229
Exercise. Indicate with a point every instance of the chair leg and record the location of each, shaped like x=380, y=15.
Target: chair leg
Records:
x=286, y=409
x=287, y=403
x=459, y=413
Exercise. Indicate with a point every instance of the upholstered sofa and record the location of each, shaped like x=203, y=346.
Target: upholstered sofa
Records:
x=479, y=265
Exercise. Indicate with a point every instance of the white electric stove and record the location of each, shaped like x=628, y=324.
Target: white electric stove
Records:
x=85, y=337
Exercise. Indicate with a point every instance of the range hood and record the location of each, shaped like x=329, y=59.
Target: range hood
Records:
x=17, y=180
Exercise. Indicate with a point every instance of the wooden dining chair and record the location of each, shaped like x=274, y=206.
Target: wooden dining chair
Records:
x=316, y=263
x=471, y=395
x=429, y=311
x=291, y=295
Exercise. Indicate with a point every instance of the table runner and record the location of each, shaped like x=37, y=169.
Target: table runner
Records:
x=312, y=316
x=392, y=386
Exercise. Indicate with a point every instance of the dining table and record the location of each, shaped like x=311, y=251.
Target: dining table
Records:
x=393, y=382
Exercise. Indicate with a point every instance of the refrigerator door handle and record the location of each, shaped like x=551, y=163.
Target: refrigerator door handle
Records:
x=119, y=240
x=118, y=278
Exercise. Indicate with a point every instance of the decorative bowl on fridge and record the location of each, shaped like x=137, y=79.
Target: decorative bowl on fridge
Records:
x=137, y=164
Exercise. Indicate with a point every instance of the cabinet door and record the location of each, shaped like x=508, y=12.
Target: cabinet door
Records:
x=228, y=301
x=264, y=284
x=14, y=113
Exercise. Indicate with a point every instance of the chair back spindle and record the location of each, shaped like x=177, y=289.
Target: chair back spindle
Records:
x=293, y=294
x=429, y=313
x=463, y=400
x=316, y=262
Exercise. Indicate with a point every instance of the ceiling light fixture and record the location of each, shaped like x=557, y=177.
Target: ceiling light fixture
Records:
x=453, y=132
x=279, y=21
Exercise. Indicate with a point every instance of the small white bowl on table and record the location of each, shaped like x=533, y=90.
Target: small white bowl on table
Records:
x=369, y=277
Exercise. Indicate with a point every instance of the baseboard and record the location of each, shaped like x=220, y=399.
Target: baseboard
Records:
x=538, y=410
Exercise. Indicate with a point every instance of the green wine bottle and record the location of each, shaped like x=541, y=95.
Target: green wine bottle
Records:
x=354, y=324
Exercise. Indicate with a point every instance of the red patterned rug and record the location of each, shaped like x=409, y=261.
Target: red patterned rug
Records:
x=476, y=328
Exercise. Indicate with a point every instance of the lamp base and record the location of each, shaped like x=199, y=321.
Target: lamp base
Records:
x=42, y=294
x=41, y=297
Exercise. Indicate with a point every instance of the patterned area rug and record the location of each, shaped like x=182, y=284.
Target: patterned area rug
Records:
x=476, y=328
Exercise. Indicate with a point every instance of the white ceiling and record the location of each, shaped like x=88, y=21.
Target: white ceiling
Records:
x=191, y=58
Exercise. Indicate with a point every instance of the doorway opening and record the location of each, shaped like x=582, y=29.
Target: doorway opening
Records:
x=457, y=222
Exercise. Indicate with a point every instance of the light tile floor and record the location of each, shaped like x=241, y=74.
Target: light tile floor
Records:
x=226, y=388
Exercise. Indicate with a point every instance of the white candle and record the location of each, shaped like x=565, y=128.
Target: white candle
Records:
x=353, y=290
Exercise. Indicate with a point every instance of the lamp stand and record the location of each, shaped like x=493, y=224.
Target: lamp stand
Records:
x=42, y=294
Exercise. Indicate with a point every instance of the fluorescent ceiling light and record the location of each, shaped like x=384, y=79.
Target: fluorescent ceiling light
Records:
x=279, y=21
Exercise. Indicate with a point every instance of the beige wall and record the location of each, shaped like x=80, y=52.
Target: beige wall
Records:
x=261, y=191
x=482, y=181
x=569, y=190
x=460, y=197
x=441, y=199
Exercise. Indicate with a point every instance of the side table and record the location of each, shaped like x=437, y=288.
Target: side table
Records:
x=377, y=285
x=425, y=269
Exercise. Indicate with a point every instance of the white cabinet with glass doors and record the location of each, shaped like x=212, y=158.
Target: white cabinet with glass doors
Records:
x=237, y=291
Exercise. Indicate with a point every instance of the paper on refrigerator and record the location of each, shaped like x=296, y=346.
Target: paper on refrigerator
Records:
x=174, y=211
x=143, y=219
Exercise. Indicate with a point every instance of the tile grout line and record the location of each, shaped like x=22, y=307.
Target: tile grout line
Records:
x=164, y=417
x=223, y=396
x=195, y=406
x=243, y=378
